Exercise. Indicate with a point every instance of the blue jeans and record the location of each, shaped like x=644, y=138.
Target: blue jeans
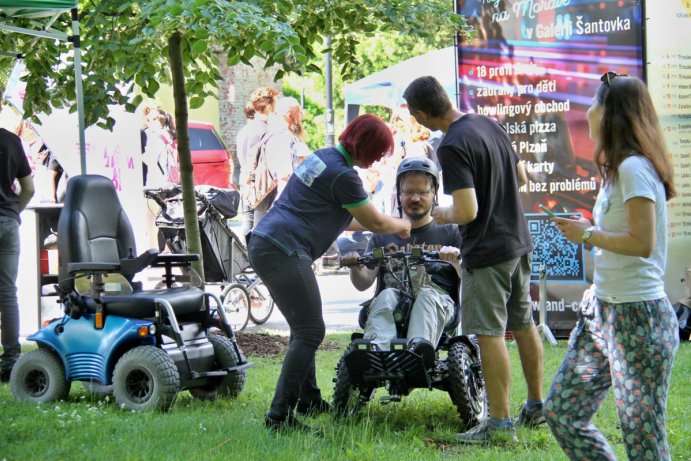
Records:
x=9, y=309
x=293, y=286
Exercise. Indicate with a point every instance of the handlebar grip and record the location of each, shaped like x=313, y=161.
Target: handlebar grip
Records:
x=201, y=197
x=154, y=195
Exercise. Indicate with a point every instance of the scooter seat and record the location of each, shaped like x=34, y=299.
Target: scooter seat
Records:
x=141, y=304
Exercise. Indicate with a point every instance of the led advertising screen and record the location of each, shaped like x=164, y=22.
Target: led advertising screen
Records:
x=534, y=66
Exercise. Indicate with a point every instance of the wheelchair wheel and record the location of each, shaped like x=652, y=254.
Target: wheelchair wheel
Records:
x=348, y=398
x=261, y=304
x=236, y=304
x=38, y=376
x=145, y=378
x=466, y=385
x=225, y=386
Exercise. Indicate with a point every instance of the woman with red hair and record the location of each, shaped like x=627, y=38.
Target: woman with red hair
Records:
x=319, y=201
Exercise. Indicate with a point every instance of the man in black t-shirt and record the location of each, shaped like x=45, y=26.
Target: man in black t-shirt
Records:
x=435, y=286
x=13, y=166
x=482, y=172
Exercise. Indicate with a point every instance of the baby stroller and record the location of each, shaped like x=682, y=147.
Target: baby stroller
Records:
x=145, y=344
x=226, y=262
x=363, y=367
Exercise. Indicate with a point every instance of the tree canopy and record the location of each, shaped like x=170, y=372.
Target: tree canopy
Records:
x=180, y=41
x=126, y=41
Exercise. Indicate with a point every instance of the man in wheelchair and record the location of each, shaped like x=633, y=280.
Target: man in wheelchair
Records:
x=416, y=302
x=435, y=288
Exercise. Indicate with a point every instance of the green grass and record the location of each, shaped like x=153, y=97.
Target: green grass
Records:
x=420, y=427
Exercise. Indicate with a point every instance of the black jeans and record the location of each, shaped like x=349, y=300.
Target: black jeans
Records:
x=294, y=288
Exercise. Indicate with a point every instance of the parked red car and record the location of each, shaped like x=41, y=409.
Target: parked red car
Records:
x=210, y=157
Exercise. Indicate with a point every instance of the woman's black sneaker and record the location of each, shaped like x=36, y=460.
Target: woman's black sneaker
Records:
x=289, y=424
x=313, y=407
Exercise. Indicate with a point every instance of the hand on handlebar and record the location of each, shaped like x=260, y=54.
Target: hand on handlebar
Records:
x=350, y=259
x=449, y=253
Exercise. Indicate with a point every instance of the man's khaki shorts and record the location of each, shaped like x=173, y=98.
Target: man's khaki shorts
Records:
x=497, y=298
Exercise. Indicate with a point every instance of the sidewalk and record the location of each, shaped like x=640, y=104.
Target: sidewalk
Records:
x=340, y=302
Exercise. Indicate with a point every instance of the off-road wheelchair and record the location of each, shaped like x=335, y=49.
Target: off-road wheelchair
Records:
x=363, y=367
x=145, y=344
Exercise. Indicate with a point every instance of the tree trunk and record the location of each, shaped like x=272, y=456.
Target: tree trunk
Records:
x=194, y=243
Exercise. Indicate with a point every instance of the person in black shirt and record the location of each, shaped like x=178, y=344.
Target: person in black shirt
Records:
x=319, y=201
x=13, y=166
x=482, y=172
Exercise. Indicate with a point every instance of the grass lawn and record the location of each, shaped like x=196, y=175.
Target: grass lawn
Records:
x=420, y=427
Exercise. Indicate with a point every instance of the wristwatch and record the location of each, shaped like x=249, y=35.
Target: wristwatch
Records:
x=587, y=233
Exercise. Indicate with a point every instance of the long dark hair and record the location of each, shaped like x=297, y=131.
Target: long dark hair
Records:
x=630, y=126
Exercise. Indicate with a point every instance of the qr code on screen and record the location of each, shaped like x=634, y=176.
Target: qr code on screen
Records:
x=564, y=261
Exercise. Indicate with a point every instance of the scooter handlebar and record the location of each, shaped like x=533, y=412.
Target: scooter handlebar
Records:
x=379, y=256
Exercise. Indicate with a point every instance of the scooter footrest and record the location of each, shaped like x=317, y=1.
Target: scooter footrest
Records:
x=368, y=367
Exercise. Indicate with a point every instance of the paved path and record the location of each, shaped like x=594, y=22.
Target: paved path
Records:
x=340, y=302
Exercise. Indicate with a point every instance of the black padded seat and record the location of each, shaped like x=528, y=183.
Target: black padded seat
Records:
x=140, y=304
x=93, y=226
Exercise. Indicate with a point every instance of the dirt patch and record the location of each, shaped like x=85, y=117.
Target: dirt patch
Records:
x=267, y=345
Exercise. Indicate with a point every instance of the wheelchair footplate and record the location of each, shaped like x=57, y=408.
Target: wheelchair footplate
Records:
x=369, y=366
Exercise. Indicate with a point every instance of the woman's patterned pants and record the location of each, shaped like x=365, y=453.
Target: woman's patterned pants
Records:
x=631, y=347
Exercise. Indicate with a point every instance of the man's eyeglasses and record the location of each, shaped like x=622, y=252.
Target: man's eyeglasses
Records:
x=410, y=194
x=607, y=77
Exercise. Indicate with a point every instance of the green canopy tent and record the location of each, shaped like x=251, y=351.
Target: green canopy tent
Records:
x=37, y=18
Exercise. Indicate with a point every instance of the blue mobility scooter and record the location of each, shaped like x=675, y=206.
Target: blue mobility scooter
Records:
x=145, y=344
x=455, y=367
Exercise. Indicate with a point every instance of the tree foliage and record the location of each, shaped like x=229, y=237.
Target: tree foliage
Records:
x=374, y=52
x=128, y=41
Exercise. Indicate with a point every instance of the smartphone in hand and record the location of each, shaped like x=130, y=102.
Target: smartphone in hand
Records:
x=547, y=210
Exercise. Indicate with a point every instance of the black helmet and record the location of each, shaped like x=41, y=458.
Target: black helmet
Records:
x=421, y=164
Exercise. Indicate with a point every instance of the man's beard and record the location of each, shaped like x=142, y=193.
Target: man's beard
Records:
x=415, y=215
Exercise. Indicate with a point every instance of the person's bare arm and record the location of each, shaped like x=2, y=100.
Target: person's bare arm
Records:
x=355, y=226
x=370, y=219
x=361, y=277
x=522, y=175
x=462, y=211
x=638, y=241
x=27, y=190
x=453, y=255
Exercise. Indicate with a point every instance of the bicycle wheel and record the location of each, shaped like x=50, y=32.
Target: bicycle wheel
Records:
x=236, y=304
x=262, y=304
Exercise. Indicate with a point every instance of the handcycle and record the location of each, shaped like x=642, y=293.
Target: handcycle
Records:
x=145, y=345
x=363, y=367
x=244, y=295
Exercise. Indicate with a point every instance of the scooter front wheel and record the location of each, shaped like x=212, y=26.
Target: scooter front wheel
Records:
x=347, y=397
x=38, y=376
x=145, y=378
x=466, y=385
